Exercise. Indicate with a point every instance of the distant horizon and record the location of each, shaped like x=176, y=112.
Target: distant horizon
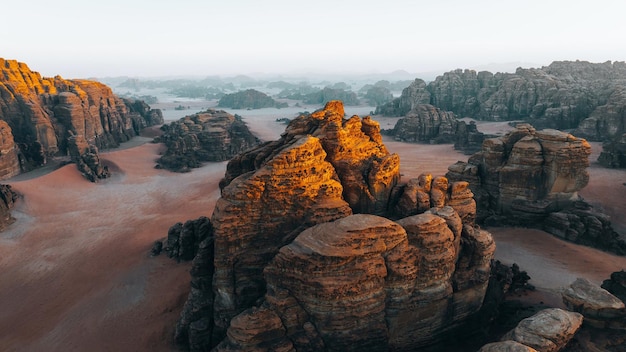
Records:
x=140, y=38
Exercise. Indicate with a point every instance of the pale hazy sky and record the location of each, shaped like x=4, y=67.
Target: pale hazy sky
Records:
x=82, y=38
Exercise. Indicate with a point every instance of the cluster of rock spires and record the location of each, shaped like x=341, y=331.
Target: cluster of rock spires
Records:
x=301, y=252
x=212, y=135
x=44, y=117
x=531, y=178
x=586, y=97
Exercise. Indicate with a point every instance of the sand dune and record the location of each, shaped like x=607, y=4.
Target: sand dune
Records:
x=75, y=268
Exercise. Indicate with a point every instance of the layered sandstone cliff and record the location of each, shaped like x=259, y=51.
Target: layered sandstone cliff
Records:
x=563, y=95
x=284, y=264
x=212, y=135
x=532, y=178
x=426, y=124
x=42, y=113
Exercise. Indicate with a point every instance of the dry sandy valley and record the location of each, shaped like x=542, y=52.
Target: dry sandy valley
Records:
x=76, y=274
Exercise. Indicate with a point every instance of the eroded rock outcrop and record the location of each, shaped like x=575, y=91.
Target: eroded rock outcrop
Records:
x=547, y=331
x=86, y=158
x=532, y=178
x=183, y=240
x=212, y=135
x=42, y=113
x=7, y=200
x=289, y=266
x=616, y=284
x=426, y=124
x=564, y=95
x=384, y=286
x=248, y=99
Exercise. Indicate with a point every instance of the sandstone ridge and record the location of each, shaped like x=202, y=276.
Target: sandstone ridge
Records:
x=298, y=255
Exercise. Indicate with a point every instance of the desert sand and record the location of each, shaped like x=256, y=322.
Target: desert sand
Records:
x=76, y=274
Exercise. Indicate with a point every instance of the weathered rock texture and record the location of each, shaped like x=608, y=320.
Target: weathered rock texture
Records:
x=467, y=138
x=289, y=267
x=426, y=124
x=531, y=178
x=213, y=135
x=563, y=95
x=9, y=160
x=366, y=283
x=183, y=240
x=86, y=158
x=43, y=113
x=599, y=307
x=550, y=330
x=7, y=200
x=587, y=97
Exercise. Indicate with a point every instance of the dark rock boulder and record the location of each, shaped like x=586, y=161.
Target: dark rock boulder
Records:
x=426, y=124
x=248, y=99
x=183, y=240
x=212, y=135
x=616, y=285
x=86, y=158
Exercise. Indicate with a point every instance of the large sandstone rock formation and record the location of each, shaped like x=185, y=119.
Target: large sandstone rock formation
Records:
x=287, y=265
x=42, y=113
x=427, y=124
x=212, y=135
x=563, y=95
x=532, y=178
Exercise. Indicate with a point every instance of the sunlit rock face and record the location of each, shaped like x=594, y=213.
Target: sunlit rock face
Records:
x=43, y=112
x=367, y=283
x=212, y=135
x=289, y=266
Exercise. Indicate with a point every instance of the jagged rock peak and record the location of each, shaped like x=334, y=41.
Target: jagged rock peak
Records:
x=353, y=146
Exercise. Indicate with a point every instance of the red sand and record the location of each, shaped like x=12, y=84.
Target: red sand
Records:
x=75, y=268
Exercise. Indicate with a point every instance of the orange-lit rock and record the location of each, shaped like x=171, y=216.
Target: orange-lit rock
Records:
x=294, y=269
x=43, y=111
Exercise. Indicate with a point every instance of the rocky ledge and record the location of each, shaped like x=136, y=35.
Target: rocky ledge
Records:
x=301, y=254
x=212, y=135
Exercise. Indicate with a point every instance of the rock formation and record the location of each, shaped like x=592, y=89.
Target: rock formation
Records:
x=183, y=240
x=532, y=178
x=86, y=158
x=549, y=330
x=616, y=285
x=614, y=153
x=467, y=138
x=427, y=124
x=248, y=99
x=563, y=95
x=296, y=260
x=42, y=113
x=600, y=308
x=9, y=152
x=212, y=135
x=7, y=200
